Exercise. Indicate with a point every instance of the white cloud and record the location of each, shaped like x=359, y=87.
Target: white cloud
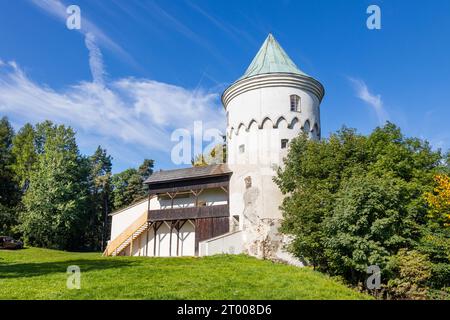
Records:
x=375, y=101
x=95, y=59
x=128, y=113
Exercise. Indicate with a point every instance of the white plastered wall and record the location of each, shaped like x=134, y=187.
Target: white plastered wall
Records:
x=210, y=197
x=269, y=108
x=145, y=244
x=259, y=119
x=122, y=219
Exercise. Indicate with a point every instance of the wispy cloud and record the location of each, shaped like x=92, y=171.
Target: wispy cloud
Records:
x=95, y=59
x=375, y=101
x=132, y=113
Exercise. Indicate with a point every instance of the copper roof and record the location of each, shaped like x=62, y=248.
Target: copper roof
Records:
x=271, y=58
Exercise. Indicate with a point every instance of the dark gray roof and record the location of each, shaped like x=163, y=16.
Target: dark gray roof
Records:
x=188, y=173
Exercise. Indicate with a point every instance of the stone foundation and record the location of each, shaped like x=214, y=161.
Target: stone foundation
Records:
x=264, y=241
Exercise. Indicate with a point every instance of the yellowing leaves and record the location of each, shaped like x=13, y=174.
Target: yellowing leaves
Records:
x=439, y=200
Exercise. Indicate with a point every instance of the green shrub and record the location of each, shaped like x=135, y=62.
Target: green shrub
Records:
x=412, y=269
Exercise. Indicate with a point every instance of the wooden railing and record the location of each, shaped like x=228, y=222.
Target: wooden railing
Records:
x=189, y=213
x=126, y=234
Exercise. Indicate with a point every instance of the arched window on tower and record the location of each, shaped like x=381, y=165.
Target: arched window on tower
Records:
x=295, y=103
x=307, y=128
x=316, y=131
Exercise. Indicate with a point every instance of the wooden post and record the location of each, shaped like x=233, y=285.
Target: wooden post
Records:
x=178, y=237
x=196, y=199
x=150, y=196
x=196, y=237
x=170, y=239
x=197, y=193
x=155, y=229
x=154, y=239
x=131, y=246
x=178, y=234
x=146, y=239
x=172, y=197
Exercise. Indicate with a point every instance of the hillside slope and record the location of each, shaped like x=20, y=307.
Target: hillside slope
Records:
x=41, y=274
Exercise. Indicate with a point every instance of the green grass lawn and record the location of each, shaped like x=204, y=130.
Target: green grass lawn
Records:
x=41, y=274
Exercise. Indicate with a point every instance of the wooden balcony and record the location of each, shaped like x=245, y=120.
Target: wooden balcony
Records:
x=217, y=211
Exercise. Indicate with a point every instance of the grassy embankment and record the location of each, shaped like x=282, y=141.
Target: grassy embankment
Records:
x=41, y=274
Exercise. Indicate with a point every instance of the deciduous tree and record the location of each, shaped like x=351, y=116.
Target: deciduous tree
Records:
x=56, y=202
x=25, y=154
x=439, y=200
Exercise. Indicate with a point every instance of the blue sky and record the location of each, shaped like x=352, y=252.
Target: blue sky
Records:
x=137, y=70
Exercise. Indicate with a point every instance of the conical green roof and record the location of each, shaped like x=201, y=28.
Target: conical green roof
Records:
x=271, y=58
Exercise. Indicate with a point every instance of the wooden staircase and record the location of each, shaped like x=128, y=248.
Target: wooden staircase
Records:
x=117, y=245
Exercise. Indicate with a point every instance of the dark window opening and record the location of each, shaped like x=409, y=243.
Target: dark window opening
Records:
x=295, y=103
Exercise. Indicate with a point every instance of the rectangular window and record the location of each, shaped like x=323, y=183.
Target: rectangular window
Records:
x=241, y=148
x=284, y=143
x=295, y=103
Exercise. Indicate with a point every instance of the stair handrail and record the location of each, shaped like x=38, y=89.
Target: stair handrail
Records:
x=126, y=234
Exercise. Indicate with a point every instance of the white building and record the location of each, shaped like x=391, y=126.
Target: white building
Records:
x=233, y=207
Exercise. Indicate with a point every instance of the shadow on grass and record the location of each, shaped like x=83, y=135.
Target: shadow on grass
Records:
x=24, y=270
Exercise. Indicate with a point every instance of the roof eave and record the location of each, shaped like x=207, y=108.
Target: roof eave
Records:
x=242, y=80
x=189, y=178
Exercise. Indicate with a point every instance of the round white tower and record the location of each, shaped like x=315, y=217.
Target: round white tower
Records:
x=272, y=103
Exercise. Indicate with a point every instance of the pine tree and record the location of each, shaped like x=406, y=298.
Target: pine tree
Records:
x=100, y=198
x=9, y=195
x=128, y=185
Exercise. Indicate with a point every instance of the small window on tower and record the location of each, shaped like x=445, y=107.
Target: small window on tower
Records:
x=284, y=143
x=295, y=103
x=242, y=148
